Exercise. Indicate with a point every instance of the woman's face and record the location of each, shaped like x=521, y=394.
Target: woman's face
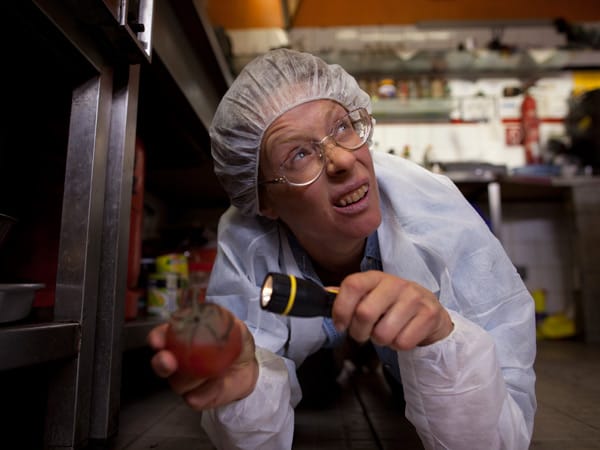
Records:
x=341, y=208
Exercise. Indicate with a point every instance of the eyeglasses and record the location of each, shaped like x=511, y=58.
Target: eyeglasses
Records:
x=306, y=162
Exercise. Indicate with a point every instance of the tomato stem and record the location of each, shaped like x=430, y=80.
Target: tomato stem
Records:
x=195, y=305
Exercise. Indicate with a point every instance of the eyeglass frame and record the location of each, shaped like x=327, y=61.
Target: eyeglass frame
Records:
x=282, y=179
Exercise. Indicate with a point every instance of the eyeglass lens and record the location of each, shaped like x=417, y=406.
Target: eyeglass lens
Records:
x=306, y=162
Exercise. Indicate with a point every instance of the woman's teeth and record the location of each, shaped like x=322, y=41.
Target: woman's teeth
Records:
x=354, y=196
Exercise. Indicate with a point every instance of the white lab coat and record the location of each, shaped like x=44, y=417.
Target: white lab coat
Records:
x=472, y=390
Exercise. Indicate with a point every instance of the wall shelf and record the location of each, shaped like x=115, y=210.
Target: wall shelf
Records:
x=453, y=63
x=413, y=110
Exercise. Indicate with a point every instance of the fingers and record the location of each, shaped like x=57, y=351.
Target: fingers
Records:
x=205, y=395
x=352, y=292
x=362, y=301
x=406, y=321
x=403, y=329
x=387, y=305
x=390, y=311
x=237, y=384
x=157, y=337
x=182, y=383
x=164, y=363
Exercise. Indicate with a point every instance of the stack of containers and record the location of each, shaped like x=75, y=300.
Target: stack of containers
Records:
x=168, y=285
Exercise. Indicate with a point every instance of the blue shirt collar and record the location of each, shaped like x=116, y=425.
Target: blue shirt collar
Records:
x=371, y=259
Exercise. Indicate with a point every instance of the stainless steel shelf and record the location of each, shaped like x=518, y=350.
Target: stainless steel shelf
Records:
x=451, y=63
x=24, y=345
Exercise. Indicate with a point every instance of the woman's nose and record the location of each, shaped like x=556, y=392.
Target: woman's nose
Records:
x=337, y=158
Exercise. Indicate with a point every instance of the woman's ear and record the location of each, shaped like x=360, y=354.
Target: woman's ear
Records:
x=265, y=207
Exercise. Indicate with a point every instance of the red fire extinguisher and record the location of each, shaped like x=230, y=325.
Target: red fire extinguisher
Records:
x=531, y=129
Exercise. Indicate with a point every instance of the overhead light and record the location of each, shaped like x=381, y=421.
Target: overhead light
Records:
x=541, y=55
x=346, y=34
x=405, y=55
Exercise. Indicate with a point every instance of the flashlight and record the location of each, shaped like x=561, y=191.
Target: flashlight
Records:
x=290, y=296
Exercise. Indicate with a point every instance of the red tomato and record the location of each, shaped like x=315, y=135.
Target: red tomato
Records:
x=205, y=340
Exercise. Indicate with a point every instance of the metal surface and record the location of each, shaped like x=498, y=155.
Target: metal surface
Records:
x=16, y=300
x=97, y=29
x=113, y=268
x=495, y=204
x=207, y=29
x=86, y=337
x=82, y=41
x=24, y=345
x=585, y=206
x=141, y=28
x=79, y=257
x=191, y=74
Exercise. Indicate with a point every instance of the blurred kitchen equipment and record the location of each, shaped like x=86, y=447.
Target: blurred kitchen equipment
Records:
x=583, y=127
x=16, y=300
x=466, y=171
x=6, y=223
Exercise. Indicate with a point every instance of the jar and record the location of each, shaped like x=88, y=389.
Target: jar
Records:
x=387, y=88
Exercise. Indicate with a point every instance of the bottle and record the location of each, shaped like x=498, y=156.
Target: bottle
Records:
x=530, y=125
x=387, y=88
x=406, y=152
x=401, y=89
x=424, y=88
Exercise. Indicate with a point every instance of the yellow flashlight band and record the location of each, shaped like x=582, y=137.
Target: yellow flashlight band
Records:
x=292, y=296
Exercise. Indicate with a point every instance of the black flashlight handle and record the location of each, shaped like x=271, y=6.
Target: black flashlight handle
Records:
x=297, y=297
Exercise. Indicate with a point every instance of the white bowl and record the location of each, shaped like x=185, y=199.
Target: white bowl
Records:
x=16, y=300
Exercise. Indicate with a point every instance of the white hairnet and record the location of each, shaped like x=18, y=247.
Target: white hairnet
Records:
x=266, y=88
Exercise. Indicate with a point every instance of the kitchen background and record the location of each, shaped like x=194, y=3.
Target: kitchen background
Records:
x=448, y=80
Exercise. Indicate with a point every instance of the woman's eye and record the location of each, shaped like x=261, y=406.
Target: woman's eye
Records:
x=298, y=156
x=343, y=127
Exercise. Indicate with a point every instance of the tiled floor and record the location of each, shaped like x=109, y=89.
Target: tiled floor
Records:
x=568, y=416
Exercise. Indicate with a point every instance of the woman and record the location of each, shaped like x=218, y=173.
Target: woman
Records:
x=419, y=273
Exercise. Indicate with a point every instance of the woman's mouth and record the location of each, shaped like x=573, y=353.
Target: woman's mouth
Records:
x=353, y=197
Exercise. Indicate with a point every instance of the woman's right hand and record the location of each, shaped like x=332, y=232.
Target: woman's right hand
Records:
x=235, y=383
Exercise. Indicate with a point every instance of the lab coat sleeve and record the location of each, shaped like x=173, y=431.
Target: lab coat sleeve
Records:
x=456, y=395
x=265, y=418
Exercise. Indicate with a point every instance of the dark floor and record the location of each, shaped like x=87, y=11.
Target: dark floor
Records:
x=363, y=416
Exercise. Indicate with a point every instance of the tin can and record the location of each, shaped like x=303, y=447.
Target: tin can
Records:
x=175, y=263
x=163, y=293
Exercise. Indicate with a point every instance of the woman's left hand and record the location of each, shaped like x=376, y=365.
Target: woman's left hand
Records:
x=390, y=311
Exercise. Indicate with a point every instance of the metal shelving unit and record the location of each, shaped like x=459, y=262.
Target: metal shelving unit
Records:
x=99, y=48
x=30, y=344
x=54, y=36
